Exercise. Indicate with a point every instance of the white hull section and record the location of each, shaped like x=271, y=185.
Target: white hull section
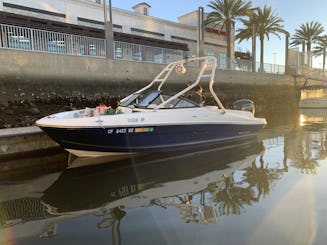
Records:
x=80, y=153
x=189, y=116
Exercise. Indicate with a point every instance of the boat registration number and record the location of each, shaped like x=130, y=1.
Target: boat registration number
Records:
x=135, y=119
x=130, y=130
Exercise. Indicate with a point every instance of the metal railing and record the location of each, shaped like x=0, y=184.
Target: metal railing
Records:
x=246, y=66
x=22, y=38
x=136, y=52
x=271, y=68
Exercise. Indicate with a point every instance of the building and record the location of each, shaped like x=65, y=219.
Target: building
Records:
x=86, y=18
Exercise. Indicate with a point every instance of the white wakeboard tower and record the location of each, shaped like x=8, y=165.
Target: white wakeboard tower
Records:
x=207, y=72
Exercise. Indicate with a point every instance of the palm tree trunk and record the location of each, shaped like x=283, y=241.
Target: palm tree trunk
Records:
x=309, y=54
x=303, y=54
x=323, y=60
x=261, y=54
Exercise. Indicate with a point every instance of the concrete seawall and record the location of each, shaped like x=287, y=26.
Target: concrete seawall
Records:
x=27, y=66
x=22, y=66
x=30, y=76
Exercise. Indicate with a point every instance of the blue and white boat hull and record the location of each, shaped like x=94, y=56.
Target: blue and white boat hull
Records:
x=141, y=132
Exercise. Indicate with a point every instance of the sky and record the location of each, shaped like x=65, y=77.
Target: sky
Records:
x=293, y=12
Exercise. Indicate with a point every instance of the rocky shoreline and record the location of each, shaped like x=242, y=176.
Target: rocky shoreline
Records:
x=25, y=113
x=23, y=105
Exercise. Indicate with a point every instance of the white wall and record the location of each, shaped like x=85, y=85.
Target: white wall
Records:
x=189, y=18
x=89, y=9
x=57, y=6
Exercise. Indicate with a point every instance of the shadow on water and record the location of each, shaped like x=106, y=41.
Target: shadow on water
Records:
x=34, y=163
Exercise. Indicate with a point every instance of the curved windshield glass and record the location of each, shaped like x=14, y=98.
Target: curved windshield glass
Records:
x=149, y=99
x=175, y=103
x=132, y=100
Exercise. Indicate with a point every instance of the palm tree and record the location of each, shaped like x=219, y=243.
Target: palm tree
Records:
x=266, y=22
x=320, y=50
x=225, y=13
x=232, y=197
x=308, y=34
x=261, y=177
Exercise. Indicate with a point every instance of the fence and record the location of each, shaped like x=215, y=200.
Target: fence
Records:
x=22, y=38
x=136, y=52
x=15, y=37
x=246, y=65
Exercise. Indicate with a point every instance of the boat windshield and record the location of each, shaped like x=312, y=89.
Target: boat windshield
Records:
x=180, y=102
x=132, y=100
x=155, y=98
x=148, y=99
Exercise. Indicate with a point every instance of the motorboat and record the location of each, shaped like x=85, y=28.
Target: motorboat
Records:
x=152, y=120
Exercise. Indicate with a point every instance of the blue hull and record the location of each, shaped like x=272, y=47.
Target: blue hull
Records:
x=148, y=138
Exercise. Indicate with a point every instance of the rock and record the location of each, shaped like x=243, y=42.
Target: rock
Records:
x=4, y=103
x=31, y=104
x=9, y=112
x=34, y=111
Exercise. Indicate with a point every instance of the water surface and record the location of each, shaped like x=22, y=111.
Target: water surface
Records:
x=270, y=190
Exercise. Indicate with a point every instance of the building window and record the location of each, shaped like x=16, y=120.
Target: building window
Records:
x=145, y=11
x=98, y=1
x=222, y=61
x=211, y=53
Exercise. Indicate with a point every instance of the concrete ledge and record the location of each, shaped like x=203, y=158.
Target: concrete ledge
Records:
x=19, y=132
x=27, y=151
x=24, y=139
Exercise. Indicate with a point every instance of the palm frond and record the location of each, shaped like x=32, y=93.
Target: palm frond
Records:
x=308, y=33
x=266, y=22
x=224, y=15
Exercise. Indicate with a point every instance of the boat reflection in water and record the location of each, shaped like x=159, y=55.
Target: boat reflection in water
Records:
x=137, y=182
x=201, y=185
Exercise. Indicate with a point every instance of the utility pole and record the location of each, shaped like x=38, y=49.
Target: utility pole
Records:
x=66, y=12
x=200, y=31
x=274, y=53
x=108, y=31
x=286, y=53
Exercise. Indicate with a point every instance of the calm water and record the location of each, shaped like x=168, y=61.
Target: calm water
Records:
x=267, y=191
